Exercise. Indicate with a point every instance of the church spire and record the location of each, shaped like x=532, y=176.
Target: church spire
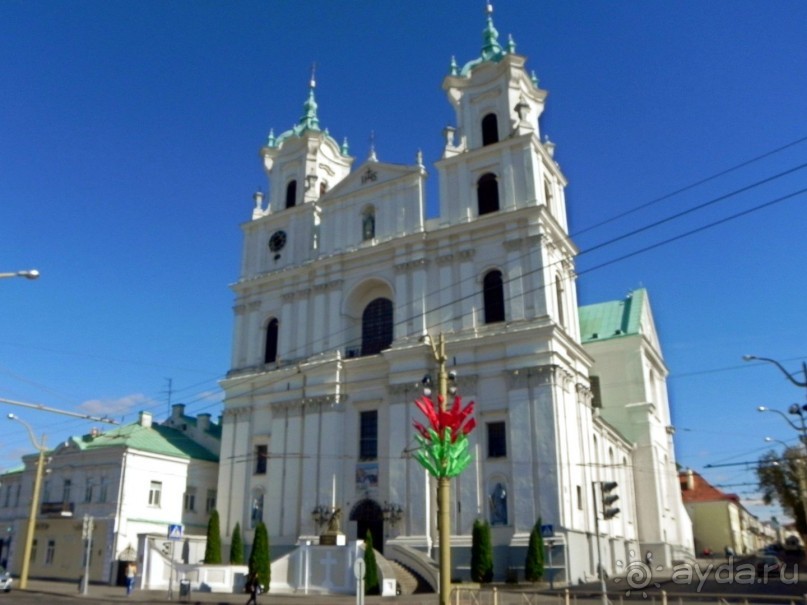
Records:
x=309, y=119
x=491, y=49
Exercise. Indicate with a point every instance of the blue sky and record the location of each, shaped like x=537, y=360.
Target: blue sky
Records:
x=130, y=135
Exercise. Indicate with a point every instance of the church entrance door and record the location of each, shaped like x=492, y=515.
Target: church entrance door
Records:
x=368, y=516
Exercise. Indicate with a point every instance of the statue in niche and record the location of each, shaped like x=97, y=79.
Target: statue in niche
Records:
x=368, y=225
x=498, y=505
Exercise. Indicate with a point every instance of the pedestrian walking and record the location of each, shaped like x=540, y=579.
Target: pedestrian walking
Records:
x=131, y=572
x=252, y=587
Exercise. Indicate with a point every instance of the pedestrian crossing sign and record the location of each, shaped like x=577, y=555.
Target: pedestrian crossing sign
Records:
x=174, y=532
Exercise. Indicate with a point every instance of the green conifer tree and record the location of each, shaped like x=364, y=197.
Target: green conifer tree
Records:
x=259, y=556
x=213, y=546
x=481, y=553
x=237, y=547
x=534, y=564
x=371, y=582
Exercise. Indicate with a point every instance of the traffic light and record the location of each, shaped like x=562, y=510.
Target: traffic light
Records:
x=609, y=511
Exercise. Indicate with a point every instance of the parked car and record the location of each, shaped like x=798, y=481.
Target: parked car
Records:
x=768, y=565
x=5, y=580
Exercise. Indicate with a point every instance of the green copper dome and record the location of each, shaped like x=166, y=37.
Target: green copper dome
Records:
x=492, y=50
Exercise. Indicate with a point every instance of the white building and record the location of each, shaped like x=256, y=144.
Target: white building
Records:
x=341, y=278
x=133, y=480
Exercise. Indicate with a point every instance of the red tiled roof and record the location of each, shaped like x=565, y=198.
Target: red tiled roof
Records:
x=694, y=488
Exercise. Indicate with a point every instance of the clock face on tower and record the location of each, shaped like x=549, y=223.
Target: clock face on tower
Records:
x=277, y=241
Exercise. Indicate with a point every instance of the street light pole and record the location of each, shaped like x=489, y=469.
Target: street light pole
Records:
x=790, y=376
x=27, y=274
x=29, y=536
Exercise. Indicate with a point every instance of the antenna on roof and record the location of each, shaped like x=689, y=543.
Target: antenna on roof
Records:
x=169, y=392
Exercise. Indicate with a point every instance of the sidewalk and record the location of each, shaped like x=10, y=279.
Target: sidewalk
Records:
x=100, y=593
x=106, y=593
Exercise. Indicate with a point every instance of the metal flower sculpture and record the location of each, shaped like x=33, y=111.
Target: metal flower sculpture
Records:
x=444, y=443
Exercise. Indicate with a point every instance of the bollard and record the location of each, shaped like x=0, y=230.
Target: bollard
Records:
x=663, y=597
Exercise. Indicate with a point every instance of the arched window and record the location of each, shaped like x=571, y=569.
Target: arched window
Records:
x=270, y=352
x=376, y=326
x=493, y=296
x=368, y=224
x=487, y=193
x=256, y=514
x=559, y=299
x=490, y=129
x=291, y=194
x=498, y=504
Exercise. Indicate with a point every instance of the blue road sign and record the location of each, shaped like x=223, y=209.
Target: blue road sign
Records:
x=547, y=531
x=174, y=532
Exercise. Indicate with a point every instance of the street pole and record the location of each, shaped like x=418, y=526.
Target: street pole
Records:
x=443, y=486
x=29, y=535
x=89, y=525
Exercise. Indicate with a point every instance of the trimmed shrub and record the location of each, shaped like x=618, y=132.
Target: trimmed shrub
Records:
x=481, y=553
x=534, y=564
x=259, y=557
x=371, y=582
x=213, y=546
x=237, y=547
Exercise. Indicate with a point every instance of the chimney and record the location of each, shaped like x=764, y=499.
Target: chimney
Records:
x=203, y=422
x=177, y=411
x=690, y=479
x=145, y=419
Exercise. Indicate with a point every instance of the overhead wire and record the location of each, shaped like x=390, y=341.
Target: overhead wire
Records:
x=621, y=237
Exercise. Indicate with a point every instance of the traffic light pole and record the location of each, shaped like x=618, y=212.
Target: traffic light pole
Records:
x=600, y=570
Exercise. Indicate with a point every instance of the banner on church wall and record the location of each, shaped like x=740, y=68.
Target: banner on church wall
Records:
x=366, y=476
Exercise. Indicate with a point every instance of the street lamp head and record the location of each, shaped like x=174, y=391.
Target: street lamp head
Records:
x=794, y=409
x=762, y=408
x=768, y=439
x=11, y=416
x=749, y=357
x=29, y=274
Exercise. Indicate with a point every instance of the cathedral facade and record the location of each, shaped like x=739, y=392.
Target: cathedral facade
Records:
x=343, y=283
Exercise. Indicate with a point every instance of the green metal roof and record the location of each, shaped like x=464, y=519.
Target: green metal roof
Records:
x=13, y=471
x=308, y=122
x=156, y=439
x=613, y=319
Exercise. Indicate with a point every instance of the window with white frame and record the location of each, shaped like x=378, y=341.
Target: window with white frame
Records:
x=155, y=493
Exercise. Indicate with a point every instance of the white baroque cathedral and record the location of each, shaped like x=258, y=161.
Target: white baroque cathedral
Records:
x=342, y=278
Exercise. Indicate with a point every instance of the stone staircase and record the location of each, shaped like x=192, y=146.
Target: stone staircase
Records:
x=407, y=582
